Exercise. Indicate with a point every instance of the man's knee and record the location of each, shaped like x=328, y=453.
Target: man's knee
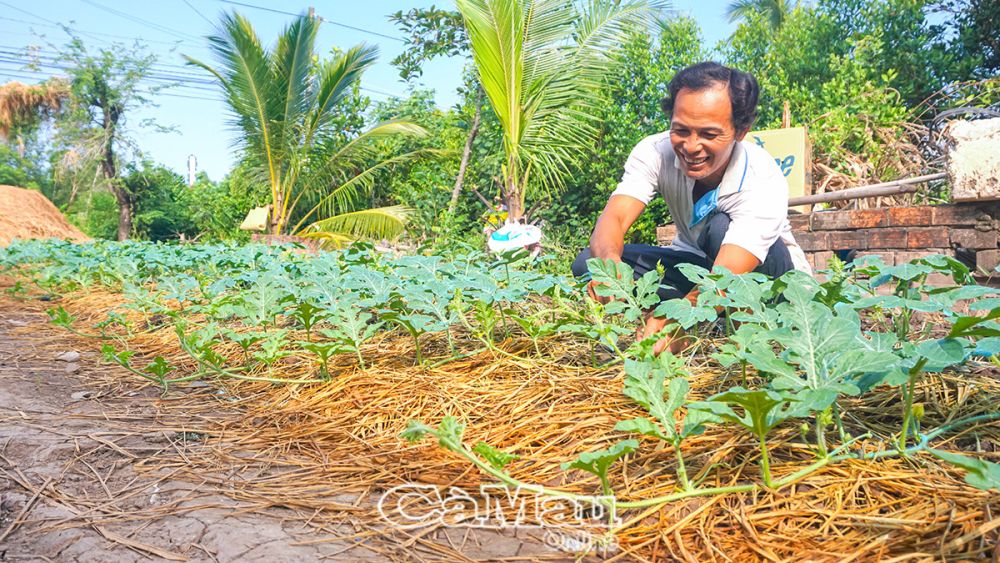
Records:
x=579, y=266
x=715, y=231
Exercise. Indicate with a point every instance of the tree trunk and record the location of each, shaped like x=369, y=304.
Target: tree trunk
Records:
x=467, y=152
x=514, y=198
x=277, y=224
x=112, y=113
x=124, y=213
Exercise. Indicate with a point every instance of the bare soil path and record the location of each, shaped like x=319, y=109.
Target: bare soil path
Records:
x=82, y=476
x=69, y=453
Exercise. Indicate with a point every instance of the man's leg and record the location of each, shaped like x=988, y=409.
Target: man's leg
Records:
x=778, y=259
x=644, y=258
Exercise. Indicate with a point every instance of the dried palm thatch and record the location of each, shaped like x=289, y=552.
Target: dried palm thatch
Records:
x=898, y=156
x=22, y=104
x=329, y=451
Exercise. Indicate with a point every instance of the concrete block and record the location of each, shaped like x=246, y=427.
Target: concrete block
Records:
x=849, y=240
x=916, y=216
x=854, y=219
x=974, y=160
x=813, y=241
x=974, y=239
x=665, y=234
x=939, y=280
x=987, y=260
x=979, y=214
x=820, y=259
x=887, y=238
x=800, y=222
x=928, y=237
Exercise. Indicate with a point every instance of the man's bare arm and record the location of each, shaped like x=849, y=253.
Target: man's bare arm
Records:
x=736, y=259
x=608, y=238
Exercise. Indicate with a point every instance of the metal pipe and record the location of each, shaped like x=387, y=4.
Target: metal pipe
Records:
x=903, y=186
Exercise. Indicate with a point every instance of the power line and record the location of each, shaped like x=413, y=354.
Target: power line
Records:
x=54, y=23
x=190, y=5
x=320, y=18
x=34, y=75
x=141, y=21
x=166, y=74
x=11, y=6
x=60, y=64
x=91, y=33
x=202, y=85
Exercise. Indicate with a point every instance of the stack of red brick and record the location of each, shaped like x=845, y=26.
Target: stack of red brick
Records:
x=900, y=234
x=897, y=234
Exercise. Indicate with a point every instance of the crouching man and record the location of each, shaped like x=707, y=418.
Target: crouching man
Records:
x=727, y=197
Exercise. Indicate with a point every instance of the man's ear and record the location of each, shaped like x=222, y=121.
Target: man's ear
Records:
x=741, y=134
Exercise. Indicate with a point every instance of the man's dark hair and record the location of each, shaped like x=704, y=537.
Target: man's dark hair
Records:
x=742, y=86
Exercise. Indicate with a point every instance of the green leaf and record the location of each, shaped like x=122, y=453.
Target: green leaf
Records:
x=449, y=433
x=497, y=458
x=987, y=347
x=972, y=326
x=763, y=409
x=598, y=462
x=980, y=473
x=644, y=383
x=828, y=349
x=684, y=313
x=695, y=421
x=159, y=367
x=642, y=426
x=60, y=317
x=942, y=353
x=415, y=431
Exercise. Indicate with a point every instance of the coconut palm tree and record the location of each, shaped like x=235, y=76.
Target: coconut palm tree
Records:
x=541, y=64
x=774, y=10
x=284, y=102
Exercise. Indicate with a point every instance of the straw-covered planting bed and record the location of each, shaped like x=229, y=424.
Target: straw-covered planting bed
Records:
x=873, y=494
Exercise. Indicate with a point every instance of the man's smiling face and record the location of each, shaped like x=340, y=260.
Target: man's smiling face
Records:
x=702, y=133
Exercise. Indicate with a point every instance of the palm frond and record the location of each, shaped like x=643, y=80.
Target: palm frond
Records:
x=774, y=10
x=293, y=68
x=283, y=104
x=341, y=198
x=361, y=145
x=382, y=222
x=336, y=77
x=495, y=29
x=246, y=76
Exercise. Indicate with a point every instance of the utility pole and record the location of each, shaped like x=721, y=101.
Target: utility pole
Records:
x=192, y=168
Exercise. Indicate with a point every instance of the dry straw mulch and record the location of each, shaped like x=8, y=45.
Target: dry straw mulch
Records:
x=328, y=451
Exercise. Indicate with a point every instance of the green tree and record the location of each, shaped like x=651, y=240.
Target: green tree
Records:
x=161, y=212
x=541, y=64
x=105, y=87
x=775, y=11
x=284, y=101
x=424, y=184
x=431, y=33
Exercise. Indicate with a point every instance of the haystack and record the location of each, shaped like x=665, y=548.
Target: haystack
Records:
x=27, y=214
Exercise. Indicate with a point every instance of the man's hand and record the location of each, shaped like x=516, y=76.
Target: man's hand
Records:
x=675, y=341
x=592, y=292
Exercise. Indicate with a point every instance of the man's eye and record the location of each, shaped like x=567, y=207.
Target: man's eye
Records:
x=709, y=135
x=680, y=132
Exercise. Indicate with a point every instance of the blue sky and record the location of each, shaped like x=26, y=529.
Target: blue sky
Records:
x=170, y=28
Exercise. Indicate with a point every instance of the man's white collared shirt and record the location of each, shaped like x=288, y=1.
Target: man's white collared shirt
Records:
x=753, y=192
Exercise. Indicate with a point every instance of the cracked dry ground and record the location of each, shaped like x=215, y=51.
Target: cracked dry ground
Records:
x=83, y=476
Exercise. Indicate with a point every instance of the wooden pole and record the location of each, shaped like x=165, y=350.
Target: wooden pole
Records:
x=906, y=185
